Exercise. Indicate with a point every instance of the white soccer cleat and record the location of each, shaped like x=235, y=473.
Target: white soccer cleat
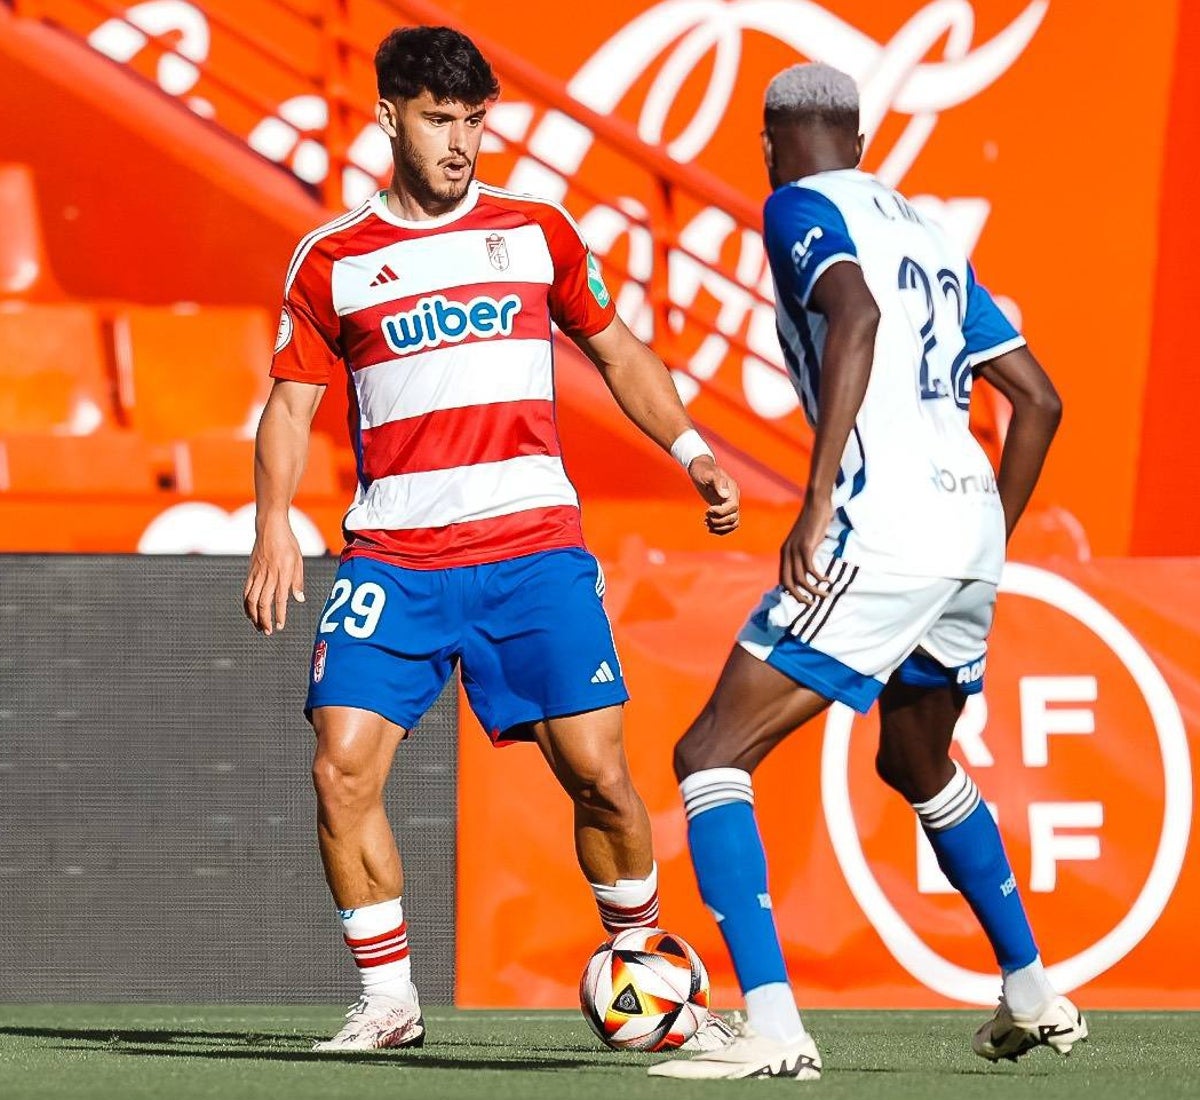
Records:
x=1060, y=1026
x=379, y=1022
x=713, y=1034
x=748, y=1056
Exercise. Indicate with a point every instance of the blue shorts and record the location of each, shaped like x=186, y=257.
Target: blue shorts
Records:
x=530, y=634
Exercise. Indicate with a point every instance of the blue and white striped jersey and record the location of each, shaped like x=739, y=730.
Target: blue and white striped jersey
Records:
x=916, y=493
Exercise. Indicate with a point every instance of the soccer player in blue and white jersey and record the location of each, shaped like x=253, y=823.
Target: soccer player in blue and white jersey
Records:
x=887, y=581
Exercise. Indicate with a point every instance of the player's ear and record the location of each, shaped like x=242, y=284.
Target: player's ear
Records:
x=768, y=149
x=388, y=117
x=859, y=146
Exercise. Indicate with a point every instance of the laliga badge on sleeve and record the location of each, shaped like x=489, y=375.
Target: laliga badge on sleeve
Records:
x=596, y=282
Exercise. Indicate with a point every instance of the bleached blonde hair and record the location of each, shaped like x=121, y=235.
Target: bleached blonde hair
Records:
x=814, y=89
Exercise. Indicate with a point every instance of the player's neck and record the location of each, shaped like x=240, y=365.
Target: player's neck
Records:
x=408, y=207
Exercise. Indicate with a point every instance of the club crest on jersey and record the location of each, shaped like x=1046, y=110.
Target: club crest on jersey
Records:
x=283, y=335
x=497, y=250
x=435, y=320
x=319, y=653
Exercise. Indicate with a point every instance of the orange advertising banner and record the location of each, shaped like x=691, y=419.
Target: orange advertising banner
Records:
x=1083, y=743
x=1056, y=141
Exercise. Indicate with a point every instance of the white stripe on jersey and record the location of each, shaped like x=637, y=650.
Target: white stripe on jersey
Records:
x=998, y=350
x=521, y=196
x=437, y=498
x=440, y=262
x=484, y=373
x=305, y=246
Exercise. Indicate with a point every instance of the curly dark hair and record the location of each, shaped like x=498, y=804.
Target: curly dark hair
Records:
x=437, y=60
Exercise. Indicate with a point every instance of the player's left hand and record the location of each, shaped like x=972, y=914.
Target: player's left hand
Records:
x=721, y=493
x=798, y=571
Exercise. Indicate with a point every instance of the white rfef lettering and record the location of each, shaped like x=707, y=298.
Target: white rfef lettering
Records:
x=1049, y=847
x=968, y=732
x=1039, y=720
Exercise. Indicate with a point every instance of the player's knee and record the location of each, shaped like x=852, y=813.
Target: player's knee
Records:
x=915, y=774
x=891, y=770
x=342, y=787
x=606, y=790
x=699, y=749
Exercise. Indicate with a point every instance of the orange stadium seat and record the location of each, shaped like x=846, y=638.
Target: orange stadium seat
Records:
x=24, y=267
x=52, y=370
x=186, y=370
x=108, y=462
x=216, y=466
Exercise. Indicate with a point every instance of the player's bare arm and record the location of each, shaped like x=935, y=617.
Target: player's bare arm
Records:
x=280, y=451
x=1036, y=412
x=841, y=294
x=643, y=388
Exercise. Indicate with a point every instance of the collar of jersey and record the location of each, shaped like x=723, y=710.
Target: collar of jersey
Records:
x=834, y=172
x=380, y=207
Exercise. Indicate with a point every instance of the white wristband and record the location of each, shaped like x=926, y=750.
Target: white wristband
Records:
x=688, y=447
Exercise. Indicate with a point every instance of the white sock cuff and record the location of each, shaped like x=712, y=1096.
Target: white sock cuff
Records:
x=628, y=892
x=372, y=920
x=953, y=803
x=628, y=903
x=713, y=787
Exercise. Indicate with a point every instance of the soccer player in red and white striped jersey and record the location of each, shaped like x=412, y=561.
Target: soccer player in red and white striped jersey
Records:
x=434, y=302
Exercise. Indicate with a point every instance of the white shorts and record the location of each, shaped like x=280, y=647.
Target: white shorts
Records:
x=868, y=625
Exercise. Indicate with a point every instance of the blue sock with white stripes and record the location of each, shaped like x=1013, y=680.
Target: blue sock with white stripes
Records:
x=731, y=868
x=971, y=855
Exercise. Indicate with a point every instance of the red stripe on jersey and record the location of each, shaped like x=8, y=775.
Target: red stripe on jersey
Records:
x=449, y=438
x=363, y=332
x=473, y=543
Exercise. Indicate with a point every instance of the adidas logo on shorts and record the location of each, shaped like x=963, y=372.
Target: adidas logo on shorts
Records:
x=603, y=675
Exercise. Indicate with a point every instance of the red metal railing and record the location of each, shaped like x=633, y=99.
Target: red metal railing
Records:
x=339, y=70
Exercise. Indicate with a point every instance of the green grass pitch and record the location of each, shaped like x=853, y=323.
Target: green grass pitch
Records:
x=190, y=1052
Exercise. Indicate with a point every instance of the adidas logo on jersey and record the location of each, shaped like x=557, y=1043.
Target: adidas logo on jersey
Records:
x=386, y=275
x=603, y=675
x=434, y=321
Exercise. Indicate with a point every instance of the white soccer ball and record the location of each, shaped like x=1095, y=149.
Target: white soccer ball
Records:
x=644, y=989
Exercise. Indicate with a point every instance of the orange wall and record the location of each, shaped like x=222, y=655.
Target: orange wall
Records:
x=527, y=922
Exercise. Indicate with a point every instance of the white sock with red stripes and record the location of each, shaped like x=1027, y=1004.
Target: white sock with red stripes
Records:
x=377, y=936
x=629, y=903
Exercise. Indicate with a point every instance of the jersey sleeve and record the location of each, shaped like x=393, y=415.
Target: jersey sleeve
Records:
x=987, y=333
x=579, y=301
x=306, y=346
x=805, y=234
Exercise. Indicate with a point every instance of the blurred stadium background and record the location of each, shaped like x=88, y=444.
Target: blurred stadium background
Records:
x=158, y=162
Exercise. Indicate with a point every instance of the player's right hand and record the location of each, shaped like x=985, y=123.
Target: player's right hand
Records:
x=798, y=571
x=276, y=571
x=719, y=491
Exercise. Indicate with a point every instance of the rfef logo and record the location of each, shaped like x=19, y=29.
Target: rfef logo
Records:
x=1080, y=752
x=436, y=320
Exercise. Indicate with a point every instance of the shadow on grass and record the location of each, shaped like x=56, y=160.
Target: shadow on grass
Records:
x=261, y=1044
x=150, y=1035
x=405, y=1059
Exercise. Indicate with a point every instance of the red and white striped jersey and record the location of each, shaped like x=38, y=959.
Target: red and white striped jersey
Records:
x=444, y=330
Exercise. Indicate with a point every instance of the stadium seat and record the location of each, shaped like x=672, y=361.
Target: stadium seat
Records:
x=24, y=267
x=186, y=371
x=108, y=462
x=52, y=370
x=223, y=466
